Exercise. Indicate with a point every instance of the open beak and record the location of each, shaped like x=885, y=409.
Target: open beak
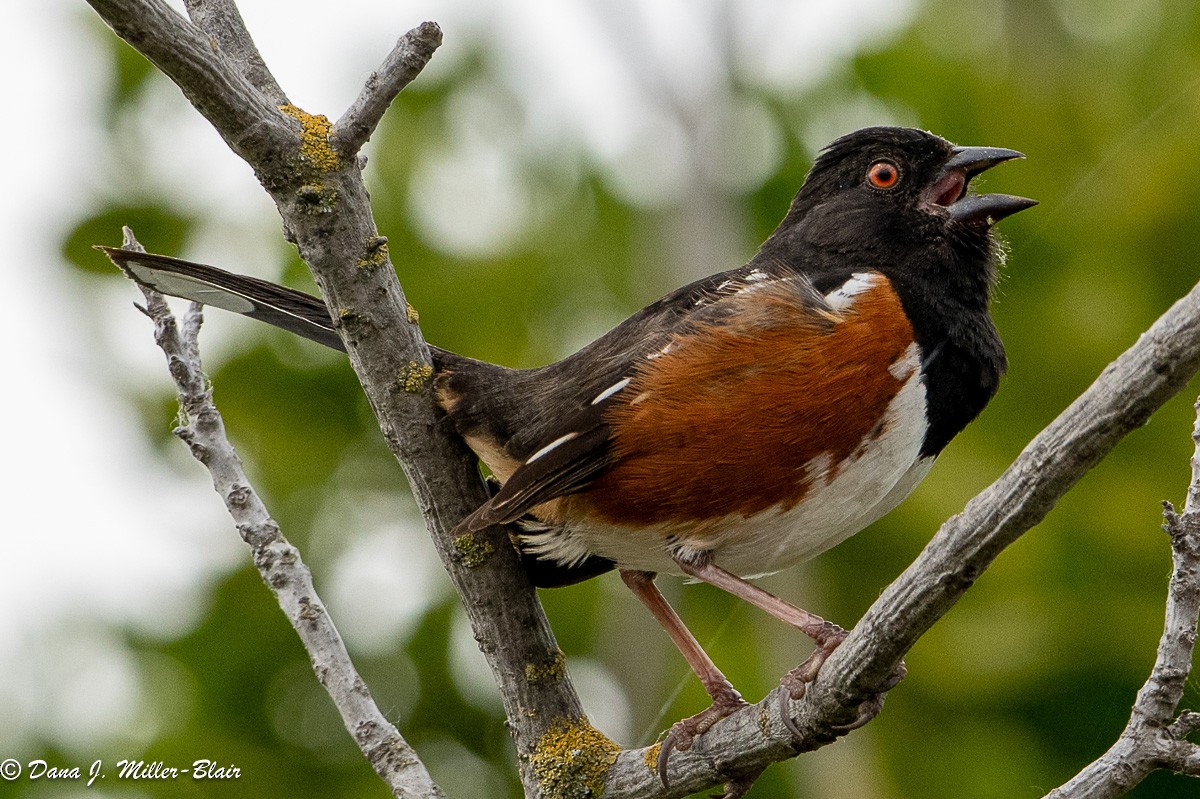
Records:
x=950, y=188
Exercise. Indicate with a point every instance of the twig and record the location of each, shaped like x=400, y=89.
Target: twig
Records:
x=278, y=562
x=1187, y=723
x=1151, y=740
x=247, y=120
x=1192, y=504
x=402, y=65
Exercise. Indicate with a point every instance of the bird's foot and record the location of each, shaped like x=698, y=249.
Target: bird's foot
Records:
x=870, y=708
x=726, y=701
x=828, y=639
x=796, y=681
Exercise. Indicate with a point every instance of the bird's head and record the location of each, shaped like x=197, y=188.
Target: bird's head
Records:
x=898, y=200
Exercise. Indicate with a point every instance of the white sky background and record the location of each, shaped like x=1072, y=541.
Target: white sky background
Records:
x=94, y=529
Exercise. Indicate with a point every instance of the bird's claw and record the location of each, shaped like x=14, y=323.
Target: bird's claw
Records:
x=796, y=681
x=683, y=733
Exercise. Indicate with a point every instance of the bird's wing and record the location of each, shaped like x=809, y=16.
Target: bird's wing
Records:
x=568, y=404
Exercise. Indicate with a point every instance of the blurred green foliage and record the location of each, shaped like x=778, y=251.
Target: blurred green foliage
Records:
x=1029, y=678
x=155, y=222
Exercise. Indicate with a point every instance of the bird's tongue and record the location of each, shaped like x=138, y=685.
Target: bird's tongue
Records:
x=950, y=188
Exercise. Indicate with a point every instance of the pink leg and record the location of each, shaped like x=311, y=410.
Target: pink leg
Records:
x=825, y=634
x=812, y=625
x=725, y=697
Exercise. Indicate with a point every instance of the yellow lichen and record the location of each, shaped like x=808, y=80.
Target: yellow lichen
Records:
x=314, y=138
x=316, y=198
x=471, y=551
x=650, y=758
x=415, y=377
x=554, y=670
x=570, y=760
x=413, y=316
x=376, y=252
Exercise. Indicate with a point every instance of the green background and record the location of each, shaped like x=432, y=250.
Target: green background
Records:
x=1021, y=685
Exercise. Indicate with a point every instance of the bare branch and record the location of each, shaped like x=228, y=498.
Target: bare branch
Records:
x=326, y=211
x=247, y=120
x=221, y=20
x=278, y=562
x=1151, y=740
x=406, y=60
x=1192, y=505
x=1185, y=759
x=1160, y=696
x=1187, y=723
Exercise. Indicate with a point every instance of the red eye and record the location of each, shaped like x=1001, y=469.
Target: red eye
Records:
x=883, y=174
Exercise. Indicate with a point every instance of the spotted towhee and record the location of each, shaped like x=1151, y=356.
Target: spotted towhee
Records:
x=745, y=422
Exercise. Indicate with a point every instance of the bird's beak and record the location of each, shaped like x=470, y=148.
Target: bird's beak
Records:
x=949, y=190
x=973, y=160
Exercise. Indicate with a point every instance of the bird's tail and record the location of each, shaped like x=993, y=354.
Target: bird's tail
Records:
x=306, y=315
x=294, y=311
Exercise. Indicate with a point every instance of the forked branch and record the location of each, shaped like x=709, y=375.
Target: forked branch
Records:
x=277, y=561
x=326, y=211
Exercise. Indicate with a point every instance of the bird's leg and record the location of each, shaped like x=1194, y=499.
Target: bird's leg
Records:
x=812, y=625
x=825, y=634
x=725, y=697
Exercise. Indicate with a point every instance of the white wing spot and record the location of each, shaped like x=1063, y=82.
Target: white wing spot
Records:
x=608, y=392
x=755, y=275
x=660, y=353
x=553, y=444
x=843, y=296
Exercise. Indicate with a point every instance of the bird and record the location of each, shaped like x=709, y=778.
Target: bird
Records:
x=747, y=421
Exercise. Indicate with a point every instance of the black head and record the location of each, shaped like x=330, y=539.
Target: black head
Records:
x=895, y=199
